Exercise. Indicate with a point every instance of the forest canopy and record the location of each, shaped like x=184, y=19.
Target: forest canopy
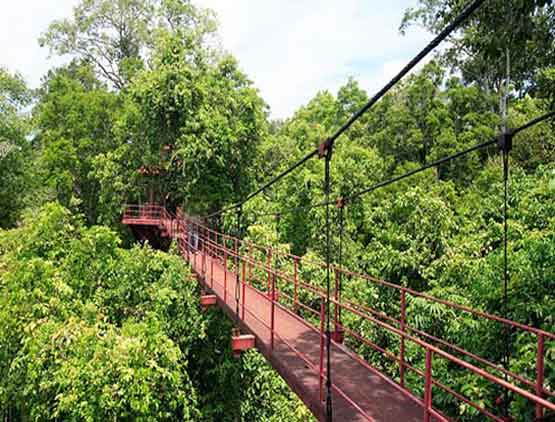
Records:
x=149, y=108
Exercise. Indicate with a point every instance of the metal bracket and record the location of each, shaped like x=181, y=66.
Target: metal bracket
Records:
x=505, y=141
x=325, y=148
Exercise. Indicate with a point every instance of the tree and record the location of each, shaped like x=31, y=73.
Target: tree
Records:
x=91, y=331
x=69, y=147
x=197, y=126
x=117, y=36
x=503, y=41
x=15, y=148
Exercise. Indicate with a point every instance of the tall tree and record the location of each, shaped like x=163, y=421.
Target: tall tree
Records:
x=194, y=127
x=69, y=146
x=117, y=36
x=504, y=41
x=15, y=148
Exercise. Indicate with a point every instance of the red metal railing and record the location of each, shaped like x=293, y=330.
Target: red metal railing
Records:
x=288, y=282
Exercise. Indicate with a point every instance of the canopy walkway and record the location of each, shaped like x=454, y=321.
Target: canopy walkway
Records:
x=278, y=298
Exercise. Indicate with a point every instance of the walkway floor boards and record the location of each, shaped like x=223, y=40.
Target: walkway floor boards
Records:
x=374, y=394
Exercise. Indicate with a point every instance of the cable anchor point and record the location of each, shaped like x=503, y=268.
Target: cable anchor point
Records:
x=505, y=141
x=325, y=149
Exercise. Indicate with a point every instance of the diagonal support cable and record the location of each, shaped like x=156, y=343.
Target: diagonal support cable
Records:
x=448, y=30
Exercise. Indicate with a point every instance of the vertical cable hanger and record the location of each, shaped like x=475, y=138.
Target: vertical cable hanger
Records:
x=237, y=280
x=505, y=144
x=325, y=151
x=341, y=206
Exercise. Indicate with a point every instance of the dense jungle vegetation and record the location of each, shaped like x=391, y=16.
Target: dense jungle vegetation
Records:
x=94, y=327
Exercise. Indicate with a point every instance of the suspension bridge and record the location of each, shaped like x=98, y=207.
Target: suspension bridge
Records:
x=295, y=312
x=265, y=292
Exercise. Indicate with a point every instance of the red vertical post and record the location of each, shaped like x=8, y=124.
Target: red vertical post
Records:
x=243, y=291
x=540, y=373
x=187, y=241
x=402, y=340
x=296, y=286
x=273, y=306
x=236, y=251
x=203, y=249
x=193, y=256
x=335, y=306
x=322, y=341
x=225, y=267
x=428, y=387
x=269, y=267
x=212, y=272
x=249, y=272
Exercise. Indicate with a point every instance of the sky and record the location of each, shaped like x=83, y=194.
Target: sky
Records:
x=290, y=49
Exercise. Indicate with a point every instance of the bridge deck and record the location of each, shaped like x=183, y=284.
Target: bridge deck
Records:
x=375, y=395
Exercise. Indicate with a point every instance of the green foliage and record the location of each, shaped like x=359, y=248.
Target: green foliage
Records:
x=519, y=29
x=199, y=123
x=15, y=151
x=70, y=146
x=116, y=36
x=90, y=331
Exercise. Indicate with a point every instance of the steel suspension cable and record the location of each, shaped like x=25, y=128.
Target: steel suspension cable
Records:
x=327, y=189
x=506, y=146
x=237, y=279
x=465, y=14
x=446, y=159
x=395, y=179
x=448, y=30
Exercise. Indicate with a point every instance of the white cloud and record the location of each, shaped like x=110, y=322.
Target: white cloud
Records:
x=21, y=23
x=293, y=49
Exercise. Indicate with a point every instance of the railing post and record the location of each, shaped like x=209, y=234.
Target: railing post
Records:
x=335, y=306
x=402, y=340
x=243, y=291
x=196, y=246
x=540, y=373
x=269, y=267
x=428, y=387
x=322, y=341
x=187, y=241
x=225, y=267
x=250, y=264
x=212, y=272
x=203, y=251
x=296, y=286
x=236, y=251
x=272, y=320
